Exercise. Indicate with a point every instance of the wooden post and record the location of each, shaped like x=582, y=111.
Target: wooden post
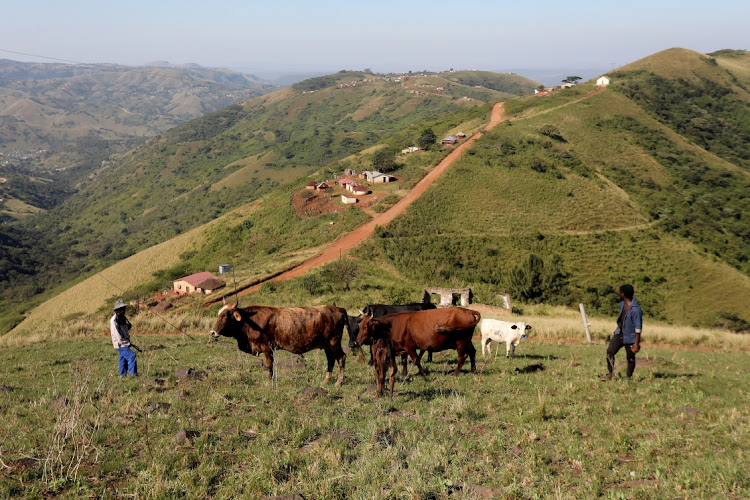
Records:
x=585, y=322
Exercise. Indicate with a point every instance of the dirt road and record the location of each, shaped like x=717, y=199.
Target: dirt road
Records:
x=352, y=239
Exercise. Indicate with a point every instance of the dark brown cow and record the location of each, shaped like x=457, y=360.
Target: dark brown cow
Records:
x=263, y=329
x=432, y=330
x=384, y=356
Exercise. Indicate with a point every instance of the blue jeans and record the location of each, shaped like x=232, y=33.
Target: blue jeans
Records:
x=128, y=363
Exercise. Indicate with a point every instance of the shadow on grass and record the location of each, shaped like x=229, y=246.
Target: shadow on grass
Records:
x=427, y=394
x=537, y=367
x=536, y=356
x=662, y=375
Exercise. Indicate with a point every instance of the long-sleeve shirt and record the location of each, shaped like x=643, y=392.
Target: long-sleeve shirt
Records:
x=120, y=331
x=632, y=322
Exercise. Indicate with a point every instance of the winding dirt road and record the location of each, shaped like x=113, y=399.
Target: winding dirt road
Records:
x=353, y=238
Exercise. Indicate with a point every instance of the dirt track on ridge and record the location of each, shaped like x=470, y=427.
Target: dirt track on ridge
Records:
x=353, y=238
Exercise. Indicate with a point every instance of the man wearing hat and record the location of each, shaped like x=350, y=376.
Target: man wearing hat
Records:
x=119, y=328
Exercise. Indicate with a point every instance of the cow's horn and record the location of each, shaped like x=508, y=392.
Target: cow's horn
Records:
x=361, y=312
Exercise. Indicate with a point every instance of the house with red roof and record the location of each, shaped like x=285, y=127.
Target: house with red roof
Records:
x=203, y=283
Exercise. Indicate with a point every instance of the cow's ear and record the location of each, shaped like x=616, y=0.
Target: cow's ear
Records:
x=513, y=327
x=237, y=315
x=528, y=327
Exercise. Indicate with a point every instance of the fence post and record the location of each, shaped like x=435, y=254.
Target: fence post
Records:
x=585, y=322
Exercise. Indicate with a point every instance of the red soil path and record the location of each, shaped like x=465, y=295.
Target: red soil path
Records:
x=348, y=241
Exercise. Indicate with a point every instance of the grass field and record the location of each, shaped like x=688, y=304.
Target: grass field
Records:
x=538, y=426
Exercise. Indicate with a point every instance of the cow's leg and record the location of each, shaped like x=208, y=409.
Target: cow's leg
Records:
x=507, y=349
x=369, y=363
x=269, y=362
x=513, y=350
x=472, y=356
x=413, y=355
x=403, y=364
x=392, y=380
x=487, y=342
x=342, y=362
x=331, y=360
x=379, y=377
x=460, y=348
x=429, y=356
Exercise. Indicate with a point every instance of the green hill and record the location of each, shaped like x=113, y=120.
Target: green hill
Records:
x=568, y=198
x=208, y=166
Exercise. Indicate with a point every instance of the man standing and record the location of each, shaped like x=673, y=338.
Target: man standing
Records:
x=628, y=332
x=119, y=328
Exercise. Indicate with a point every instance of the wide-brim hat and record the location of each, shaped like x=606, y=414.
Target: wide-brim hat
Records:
x=120, y=304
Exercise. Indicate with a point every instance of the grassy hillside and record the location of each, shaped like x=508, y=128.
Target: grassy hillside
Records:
x=72, y=430
x=200, y=170
x=569, y=198
x=507, y=83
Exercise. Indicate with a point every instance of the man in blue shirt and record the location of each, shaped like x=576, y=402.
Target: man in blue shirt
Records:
x=628, y=332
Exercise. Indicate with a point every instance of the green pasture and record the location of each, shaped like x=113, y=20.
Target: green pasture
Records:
x=541, y=425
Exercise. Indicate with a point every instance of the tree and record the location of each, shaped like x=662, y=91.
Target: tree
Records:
x=385, y=160
x=571, y=79
x=342, y=271
x=535, y=282
x=426, y=139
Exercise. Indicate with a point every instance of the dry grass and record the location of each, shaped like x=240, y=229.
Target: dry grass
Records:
x=562, y=323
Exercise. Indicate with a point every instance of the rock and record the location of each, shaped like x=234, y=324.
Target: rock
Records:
x=158, y=407
x=690, y=411
x=185, y=437
x=475, y=491
x=313, y=392
x=60, y=403
x=24, y=463
x=190, y=374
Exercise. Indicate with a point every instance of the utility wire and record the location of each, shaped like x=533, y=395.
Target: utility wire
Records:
x=151, y=311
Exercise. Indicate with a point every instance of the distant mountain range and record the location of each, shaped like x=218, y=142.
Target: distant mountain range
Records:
x=70, y=117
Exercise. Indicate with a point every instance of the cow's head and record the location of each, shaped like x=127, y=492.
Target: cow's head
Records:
x=228, y=321
x=523, y=327
x=370, y=329
x=352, y=325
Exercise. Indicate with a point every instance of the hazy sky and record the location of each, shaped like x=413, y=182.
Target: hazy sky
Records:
x=387, y=35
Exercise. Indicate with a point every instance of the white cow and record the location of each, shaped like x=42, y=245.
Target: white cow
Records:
x=502, y=331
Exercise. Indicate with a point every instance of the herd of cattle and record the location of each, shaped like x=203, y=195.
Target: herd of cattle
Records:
x=389, y=330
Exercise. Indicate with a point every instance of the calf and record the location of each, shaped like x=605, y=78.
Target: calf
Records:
x=384, y=354
x=502, y=331
x=432, y=330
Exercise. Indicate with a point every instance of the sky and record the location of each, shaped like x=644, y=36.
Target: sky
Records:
x=289, y=36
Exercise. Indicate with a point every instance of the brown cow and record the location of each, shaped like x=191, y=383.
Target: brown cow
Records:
x=263, y=329
x=384, y=357
x=432, y=330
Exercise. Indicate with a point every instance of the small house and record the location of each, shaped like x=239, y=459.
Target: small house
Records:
x=322, y=186
x=346, y=182
x=379, y=178
x=311, y=185
x=460, y=135
x=348, y=200
x=203, y=283
x=350, y=171
x=450, y=140
x=603, y=81
x=358, y=189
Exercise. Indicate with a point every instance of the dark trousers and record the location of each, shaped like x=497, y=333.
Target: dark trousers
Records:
x=615, y=344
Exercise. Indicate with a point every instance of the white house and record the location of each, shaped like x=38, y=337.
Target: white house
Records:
x=603, y=81
x=347, y=200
